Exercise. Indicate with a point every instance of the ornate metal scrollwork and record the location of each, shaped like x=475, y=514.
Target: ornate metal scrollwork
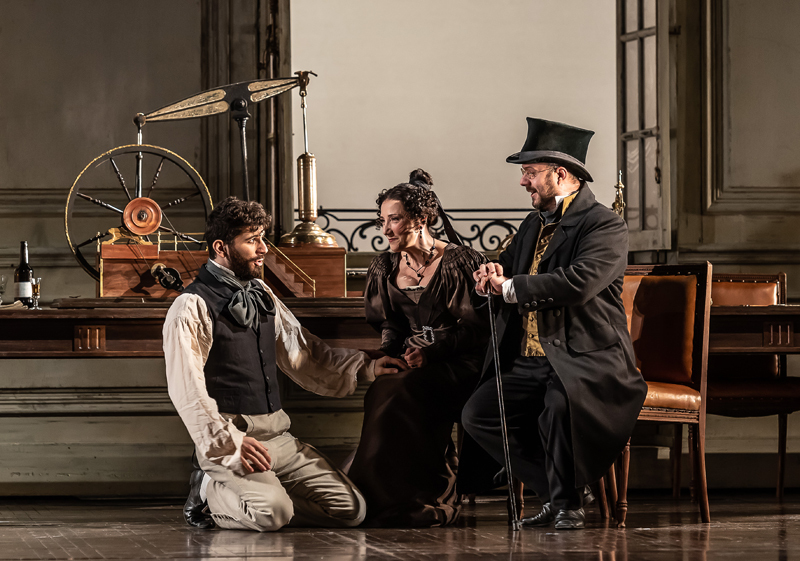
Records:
x=486, y=229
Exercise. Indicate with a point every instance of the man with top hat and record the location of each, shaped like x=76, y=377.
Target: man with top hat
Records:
x=572, y=390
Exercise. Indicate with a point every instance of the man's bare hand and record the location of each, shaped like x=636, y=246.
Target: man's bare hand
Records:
x=489, y=275
x=415, y=358
x=386, y=364
x=255, y=456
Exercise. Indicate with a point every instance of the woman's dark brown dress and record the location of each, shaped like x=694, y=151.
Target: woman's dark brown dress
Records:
x=405, y=463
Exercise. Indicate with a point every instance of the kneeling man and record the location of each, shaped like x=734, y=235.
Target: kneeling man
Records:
x=572, y=390
x=224, y=339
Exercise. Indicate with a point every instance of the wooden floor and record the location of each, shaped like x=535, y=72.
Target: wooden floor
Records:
x=751, y=527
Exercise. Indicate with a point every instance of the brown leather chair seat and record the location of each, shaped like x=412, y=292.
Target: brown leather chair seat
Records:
x=671, y=396
x=753, y=398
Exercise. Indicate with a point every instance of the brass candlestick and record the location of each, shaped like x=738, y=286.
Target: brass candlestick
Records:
x=619, y=201
x=307, y=232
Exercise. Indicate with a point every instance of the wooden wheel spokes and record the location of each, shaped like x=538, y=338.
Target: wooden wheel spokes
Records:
x=120, y=178
x=176, y=202
x=155, y=177
x=99, y=203
x=93, y=239
x=103, y=184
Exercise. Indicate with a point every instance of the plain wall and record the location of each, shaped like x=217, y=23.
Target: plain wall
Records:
x=446, y=85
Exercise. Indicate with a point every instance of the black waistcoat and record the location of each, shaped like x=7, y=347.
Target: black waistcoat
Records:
x=240, y=370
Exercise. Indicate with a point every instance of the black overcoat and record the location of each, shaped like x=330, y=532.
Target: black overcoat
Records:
x=582, y=325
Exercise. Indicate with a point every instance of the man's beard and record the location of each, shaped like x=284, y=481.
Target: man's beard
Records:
x=243, y=269
x=547, y=195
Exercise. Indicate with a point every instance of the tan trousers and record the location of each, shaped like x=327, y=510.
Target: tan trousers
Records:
x=302, y=488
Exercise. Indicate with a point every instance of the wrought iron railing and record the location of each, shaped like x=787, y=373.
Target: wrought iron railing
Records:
x=481, y=228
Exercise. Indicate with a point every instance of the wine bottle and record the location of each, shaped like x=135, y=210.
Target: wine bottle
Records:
x=23, y=291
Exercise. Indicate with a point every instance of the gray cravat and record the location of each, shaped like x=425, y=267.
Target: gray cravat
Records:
x=249, y=300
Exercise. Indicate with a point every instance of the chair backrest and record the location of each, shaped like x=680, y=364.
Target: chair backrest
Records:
x=668, y=310
x=743, y=289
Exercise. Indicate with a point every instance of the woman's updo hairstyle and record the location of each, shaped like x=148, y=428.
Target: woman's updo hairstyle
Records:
x=416, y=197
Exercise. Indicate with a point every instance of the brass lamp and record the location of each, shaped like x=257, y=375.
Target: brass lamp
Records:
x=307, y=233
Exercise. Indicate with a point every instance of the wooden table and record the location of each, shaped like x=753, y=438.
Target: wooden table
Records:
x=87, y=328
x=754, y=329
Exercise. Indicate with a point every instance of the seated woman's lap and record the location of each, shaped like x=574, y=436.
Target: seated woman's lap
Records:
x=439, y=387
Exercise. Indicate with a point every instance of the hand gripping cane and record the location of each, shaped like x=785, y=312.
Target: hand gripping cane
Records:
x=515, y=523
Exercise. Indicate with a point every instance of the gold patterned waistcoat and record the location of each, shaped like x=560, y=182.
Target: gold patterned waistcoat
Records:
x=530, y=343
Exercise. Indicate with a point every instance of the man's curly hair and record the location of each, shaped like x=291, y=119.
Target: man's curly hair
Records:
x=416, y=197
x=232, y=217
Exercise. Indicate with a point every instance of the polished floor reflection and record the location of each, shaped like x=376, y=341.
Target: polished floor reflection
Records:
x=746, y=526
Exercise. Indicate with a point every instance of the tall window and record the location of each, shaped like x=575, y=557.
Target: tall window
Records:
x=643, y=120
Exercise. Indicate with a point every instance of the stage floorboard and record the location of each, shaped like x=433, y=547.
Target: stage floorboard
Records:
x=745, y=526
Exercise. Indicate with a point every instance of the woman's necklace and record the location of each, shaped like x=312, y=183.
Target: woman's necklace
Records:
x=420, y=271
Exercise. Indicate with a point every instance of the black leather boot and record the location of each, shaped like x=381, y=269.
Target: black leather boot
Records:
x=195, y=511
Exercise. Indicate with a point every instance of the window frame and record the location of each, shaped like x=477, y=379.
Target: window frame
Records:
x=641, y=237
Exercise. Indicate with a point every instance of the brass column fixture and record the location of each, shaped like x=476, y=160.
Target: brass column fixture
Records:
x=619, y=201
x=307, y=233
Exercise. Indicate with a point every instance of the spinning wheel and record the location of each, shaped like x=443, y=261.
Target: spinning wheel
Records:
x=132, y=195
x=135, y=193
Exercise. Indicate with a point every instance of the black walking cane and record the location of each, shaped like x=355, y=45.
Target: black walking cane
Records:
x=515, y=523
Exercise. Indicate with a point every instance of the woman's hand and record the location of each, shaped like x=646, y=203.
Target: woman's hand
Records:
x=415, y=358
x=384, y=365
x=255, y=456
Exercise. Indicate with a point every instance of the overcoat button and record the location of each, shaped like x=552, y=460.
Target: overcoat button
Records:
x=549, y=300
x=556, y=342
x=526, y=306
x=556, y=313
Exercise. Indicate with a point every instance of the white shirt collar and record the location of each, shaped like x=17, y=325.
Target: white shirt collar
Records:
x=224, y=268
x=548, y=214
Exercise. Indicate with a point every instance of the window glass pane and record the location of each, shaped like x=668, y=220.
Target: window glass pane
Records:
x=632, y=197
x=632, y=86
x=649, y=13
x=650, y=99
x=652, y=190
x=631, y=15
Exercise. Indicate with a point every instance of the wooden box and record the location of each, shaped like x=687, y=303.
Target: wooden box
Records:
x=125, y=270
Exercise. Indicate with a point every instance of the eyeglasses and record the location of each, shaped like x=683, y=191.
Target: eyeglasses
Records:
x=531, y=173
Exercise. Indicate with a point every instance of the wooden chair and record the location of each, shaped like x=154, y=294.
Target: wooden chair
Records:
x=668, y=309
x=752, y=385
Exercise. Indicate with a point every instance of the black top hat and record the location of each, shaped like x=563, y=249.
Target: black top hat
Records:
x=558, y=143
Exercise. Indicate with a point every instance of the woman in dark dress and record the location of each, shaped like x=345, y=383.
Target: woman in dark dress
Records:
x=418, y=297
